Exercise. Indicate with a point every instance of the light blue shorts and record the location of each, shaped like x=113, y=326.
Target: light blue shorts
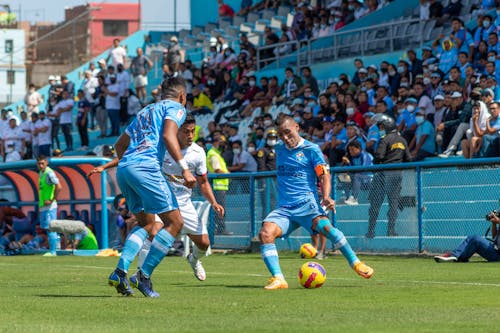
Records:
x=46, y=216
x=300, y=215
x=145, y=188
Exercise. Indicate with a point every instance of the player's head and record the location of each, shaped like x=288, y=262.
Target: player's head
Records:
x=174, y=88
x=288, y=131
x=185, y=135
x=42, y=162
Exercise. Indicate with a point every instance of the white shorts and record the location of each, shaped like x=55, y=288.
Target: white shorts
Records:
x=192, y=223
x=141, y=81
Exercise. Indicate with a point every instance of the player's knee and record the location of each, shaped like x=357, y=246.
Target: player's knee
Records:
x=266, y=235
x=323, y=225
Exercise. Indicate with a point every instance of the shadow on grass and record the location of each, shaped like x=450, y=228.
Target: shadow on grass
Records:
x=73, y=296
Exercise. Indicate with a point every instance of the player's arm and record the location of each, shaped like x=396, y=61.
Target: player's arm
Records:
x=323, y=174
x=172, y=143
x=111, y=164
x=121, y=145
x=206, y=191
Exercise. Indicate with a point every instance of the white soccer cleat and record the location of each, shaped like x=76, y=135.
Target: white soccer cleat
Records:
x=198, y=270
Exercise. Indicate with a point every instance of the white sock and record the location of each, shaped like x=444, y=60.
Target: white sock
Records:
x=143, y=253
x=197, y=253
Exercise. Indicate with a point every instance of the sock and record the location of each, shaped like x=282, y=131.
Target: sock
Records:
x=159, y=248
x=132, y=245
x=271, y=259
x=198, y=253
x=52, y=241
x=338, y=239
x=143, y=253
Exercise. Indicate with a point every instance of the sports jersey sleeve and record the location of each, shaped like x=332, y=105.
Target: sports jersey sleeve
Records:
x=201, y=165
x=178, y=115
x=52, y=178
x=317, y=158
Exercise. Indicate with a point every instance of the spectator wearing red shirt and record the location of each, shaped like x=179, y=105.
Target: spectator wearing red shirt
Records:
x=225, y=10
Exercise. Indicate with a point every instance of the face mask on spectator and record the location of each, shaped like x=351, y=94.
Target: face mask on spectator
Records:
x=403, y=84
x=332, y=21
x=401, y=69
x=486, y=23
x=236, y=151
x=410, y=108
x=427, y=80
x=323, y=26
x=271, y=142
x=316, y=25
x=381, y=133
x=268, y=122
x=297, y=119
x=419, y=119
x=251, y=83
x=351, y=7
x=251, y=149
x=392, y=73
x=491, y=59
x=349, y=111
x=311, y=104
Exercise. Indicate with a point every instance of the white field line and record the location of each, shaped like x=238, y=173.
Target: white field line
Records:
x=457, y=283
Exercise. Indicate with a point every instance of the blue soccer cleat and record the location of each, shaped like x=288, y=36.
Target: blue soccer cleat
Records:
x=118, y=279
x=144, y=284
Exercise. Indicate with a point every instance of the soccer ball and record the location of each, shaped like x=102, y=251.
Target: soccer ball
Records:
x=307, y=251
x=312, y=275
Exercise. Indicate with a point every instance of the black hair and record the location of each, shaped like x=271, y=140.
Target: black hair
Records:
x=190, y=119
x=354, y=143
x=172, y=86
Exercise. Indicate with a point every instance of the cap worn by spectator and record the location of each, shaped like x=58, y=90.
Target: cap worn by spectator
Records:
x=363, y=70
x=488, y=92
x=174, y=39
x=456, y=94
x=102, y=61
x=411, y=100
x=307, y=109
x=427, y=48
x=369, y=114
x=351, y=123
x=297, y=101
x=439, y=98
x=52, y=78
x=373, y=67
x=328, y=119
x=436, y=74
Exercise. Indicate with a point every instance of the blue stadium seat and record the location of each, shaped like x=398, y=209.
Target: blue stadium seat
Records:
x=85, y=216
x=76, y=214
x=63, y=214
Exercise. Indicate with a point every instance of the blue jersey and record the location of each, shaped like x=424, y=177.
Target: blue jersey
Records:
x=146, y=132
x=296, y=172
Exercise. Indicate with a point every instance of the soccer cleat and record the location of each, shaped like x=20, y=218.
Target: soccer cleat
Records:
x=49, y=254
x=120, y=282
x=351, y=201
x=198, y=270
x=276, y=283
x=363, y=270
x=447, y=257
x=143, y=284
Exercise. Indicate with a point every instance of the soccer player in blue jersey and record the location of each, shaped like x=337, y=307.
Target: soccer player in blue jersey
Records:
x=140, y=151
x=299, y=163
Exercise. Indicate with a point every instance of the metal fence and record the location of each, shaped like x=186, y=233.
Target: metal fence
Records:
x=435, y=205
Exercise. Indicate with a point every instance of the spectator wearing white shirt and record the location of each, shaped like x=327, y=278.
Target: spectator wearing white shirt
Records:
x=117, y=54
x=243, y=161
x=13, y=140
x=33, y=99
x=43, y=134
x=112, y=104
x=64, y=109
x=89, y=85
x=123, y=81
x=139, y=68
x=25, y=126
x=34, y=138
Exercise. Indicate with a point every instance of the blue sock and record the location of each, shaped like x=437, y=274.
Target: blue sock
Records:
x=132, y=246
x=271, y=259
x=52, y=242
x=159, y=248
x=338, y=239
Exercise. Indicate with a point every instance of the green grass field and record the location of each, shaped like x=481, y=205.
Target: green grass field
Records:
x=70, y=294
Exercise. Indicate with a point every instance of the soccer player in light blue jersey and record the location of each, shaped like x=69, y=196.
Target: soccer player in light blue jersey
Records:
x=140, y=151
x=299, y=163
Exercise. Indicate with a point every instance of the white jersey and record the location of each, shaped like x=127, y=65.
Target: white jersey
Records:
x=195, y=158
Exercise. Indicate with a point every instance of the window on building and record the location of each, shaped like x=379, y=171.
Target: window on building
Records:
x=115, y=28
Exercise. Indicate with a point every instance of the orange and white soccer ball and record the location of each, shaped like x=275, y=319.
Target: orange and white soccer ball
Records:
x=307, y=251
x=312, y=275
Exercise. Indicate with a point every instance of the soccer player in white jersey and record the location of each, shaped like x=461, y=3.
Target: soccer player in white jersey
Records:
x=299, y=163
x=195, y=158
x=196, y=230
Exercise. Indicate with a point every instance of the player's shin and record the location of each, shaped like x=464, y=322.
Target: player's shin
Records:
x=270, y=256
x=52, y=235
x=132, y=246
x=338, y=240
x=198, y=253
x=159, y=248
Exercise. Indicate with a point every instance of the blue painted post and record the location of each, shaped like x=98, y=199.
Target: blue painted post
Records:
x=419, y=210
x=104, y=210
x=252, y=206
x=333, y=195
